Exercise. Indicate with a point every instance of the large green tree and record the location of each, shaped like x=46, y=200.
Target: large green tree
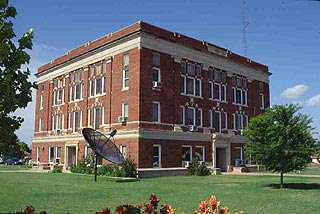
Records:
x=15, y=88
x=281, y=139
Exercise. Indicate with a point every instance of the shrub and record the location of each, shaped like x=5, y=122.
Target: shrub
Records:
x=81, y=167
x=129, y=168
x=56, y=169
x=195, y=168
x=105, y=170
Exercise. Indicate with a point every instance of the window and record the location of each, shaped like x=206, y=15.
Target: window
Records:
x=261, y=101
x=198, y=88
x=191, y=116
x=97, y=118
x=69, y=120
x=240, y=96
x=210, y=118
x=41, y=102
x=38, y=154
x=76, y=88
x=40, y=125
x=191, y=69
x=186, y=153
x=181, y=115
x=183, y=84
x=183, y=67
x=156, y=75
x=156, y=59
x=240, y=121
x=58, y=152
x=210, y=88
x=200, y=153
x=224, y=122
x=156, y=156
x=123, y=150
x=199, y=117
x=125, y=73
x=59, y=121
x=191, y=86
x=217, y=121
x=51, y=154
x=75, y=121
x=125, y=109
x=58, y=95
x=155, y=112
x=98, y=86
x=216, y=91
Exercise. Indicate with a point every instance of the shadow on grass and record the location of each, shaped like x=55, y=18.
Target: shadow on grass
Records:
x=300, y=186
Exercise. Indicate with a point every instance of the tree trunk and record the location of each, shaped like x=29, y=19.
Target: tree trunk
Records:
x=281, y=180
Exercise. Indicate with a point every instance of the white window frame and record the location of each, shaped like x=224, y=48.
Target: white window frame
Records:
x=122, y=109
x=194, y=79
x=94, y=117
x=41, y=102
x=194, y=116
x=261, y=97
x=40, y=125
x=234, y=89
x=183, y=115
x=121, y=150
x=225, y=120
x=203, y=153
x=124, y=80
x=159, y=111
x=159, y=155
x=38, y=154
x=50, y=154
x=56, y=156
x=159, y=74
x=74, y=121
x=201, y=117
x=219, y=120
x=89, y=117
x=210, y=118
x=184, y=77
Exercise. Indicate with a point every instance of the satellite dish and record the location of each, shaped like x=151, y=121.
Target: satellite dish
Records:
x=102, y=146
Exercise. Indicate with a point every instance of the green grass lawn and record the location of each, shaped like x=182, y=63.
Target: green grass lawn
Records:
x=72, y=193
x=14, y=167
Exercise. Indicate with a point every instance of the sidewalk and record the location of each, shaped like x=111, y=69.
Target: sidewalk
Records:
x=271, y=174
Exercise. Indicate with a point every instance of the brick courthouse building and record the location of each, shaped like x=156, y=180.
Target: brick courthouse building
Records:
x=171, y=97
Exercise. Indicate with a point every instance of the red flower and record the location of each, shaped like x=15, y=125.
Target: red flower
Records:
x=224, y=210
x=148, y=208
x=213, y=201
x=202, y=206
x=154, y=200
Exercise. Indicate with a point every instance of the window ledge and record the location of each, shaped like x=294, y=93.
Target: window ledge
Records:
x=95, y=96
x=239, y=104
x=74, y=101
x=189, y=95
x=125, y=89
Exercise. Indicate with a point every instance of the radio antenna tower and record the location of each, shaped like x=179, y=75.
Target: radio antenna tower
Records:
x=245, y=24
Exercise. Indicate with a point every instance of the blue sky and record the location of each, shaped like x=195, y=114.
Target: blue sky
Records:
x=284, y=34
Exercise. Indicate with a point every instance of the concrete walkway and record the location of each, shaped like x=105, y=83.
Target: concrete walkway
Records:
x=271, y=174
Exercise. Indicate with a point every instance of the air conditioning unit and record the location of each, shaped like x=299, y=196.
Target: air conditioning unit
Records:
x=177, y=128
x=156, y=84
x=122, y=119
x=193, y=128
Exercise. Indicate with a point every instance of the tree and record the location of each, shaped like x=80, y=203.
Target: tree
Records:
x=281, y=139
x=15, y=88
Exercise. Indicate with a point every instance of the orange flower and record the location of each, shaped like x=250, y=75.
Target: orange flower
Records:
x=213, y=201
x=224, y=210
x=202, y=206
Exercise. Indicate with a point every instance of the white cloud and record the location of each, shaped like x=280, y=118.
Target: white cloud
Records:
x=314, y=101
x=295, y=92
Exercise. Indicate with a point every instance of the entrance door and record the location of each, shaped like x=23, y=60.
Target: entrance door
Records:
x=71, y=155
x=221, y=158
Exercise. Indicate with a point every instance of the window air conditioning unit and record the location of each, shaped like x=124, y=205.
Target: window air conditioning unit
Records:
x=122, y=119
x=192, y=128
x=156, y=84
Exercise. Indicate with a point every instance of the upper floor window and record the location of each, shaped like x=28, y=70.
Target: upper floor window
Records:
x=97, y=76
x=125, y=72
x=97, y=118
x=182, y=115
x=41, y=102
x=217, y=121
x=217, y=84
x=76, y=88
x=261, y=101
x=199, y=117
x=57, y=122
x=40, y=125
x=156, y=59
x=191, y=83
x=75, y=121
x=58, y=92
x=240, y=96
x=239, y=121
x=191, y=116
x=210, y=118
x=156, y=114
x=156, y=80
x=125, y=109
